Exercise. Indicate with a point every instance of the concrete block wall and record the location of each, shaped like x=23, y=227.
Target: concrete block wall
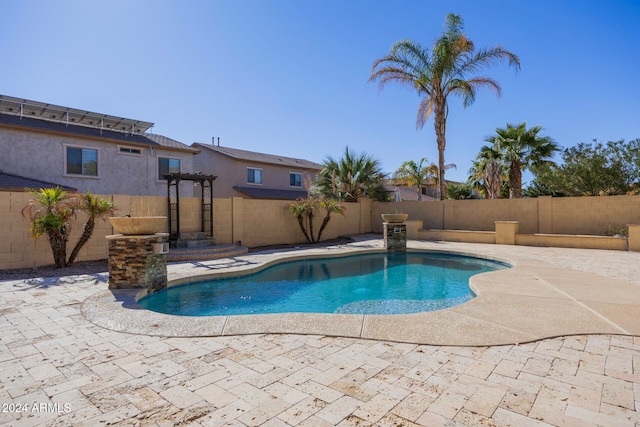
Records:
x=570, y=215
x=266, y=222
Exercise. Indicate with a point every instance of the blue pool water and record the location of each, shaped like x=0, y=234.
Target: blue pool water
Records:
x=377, y=283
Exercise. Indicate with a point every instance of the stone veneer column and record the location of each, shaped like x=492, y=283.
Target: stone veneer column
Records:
x=395, y=236
x=134, y=264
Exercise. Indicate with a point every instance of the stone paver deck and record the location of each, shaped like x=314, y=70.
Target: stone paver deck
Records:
x=59, y=368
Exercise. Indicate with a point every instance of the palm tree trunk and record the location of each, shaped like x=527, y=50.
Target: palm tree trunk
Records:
x=58, y=244
x=440, y=124
x=325, y=221
x=304, y=231
x=84, y=238
x=310, y=219
x=515, y=179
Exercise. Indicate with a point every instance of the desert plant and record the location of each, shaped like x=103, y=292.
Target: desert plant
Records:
x=459, y=191
x=305, y=209
x=94, y=207
x=414, y=174
x=350, y=178
x=450, y=68
x=51, y=211
x=521, y=148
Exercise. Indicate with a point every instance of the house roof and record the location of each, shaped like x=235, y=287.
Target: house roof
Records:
x=271, y=193
x=252, y=156
x=70, y=116
x=170, y=143
x=11, y=182
x=49, y=126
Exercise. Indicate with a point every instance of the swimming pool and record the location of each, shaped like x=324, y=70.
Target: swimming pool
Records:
x=373, y=283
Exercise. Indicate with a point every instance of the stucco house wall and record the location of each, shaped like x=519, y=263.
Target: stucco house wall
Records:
x=41, y=155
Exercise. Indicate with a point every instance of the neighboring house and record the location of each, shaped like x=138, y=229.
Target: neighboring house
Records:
x=254, y=175
x=407, y=193
x=87, y=151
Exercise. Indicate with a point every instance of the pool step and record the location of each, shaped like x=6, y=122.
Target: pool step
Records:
x=205, y=253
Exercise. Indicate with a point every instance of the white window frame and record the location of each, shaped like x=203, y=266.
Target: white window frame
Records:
x=82, y=147
x=295, y=173
x=158, y=157
x=261, y=175
x=124, y=153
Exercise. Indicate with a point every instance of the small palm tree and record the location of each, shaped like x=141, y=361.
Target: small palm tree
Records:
x=350, y=178
x=434, y=170
x=305, y=209
x=521, y=148
x=414, y=174
x=450, y=68
x=94, y=207
x=51, y=211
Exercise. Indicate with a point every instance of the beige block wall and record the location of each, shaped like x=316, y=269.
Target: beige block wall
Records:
x=570, y=215
x=266, y=222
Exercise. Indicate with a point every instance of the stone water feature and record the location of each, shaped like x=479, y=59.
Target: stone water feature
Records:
x=395, y=232
x=138, y=255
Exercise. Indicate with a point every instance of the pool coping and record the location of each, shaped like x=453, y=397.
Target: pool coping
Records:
x=528, y=302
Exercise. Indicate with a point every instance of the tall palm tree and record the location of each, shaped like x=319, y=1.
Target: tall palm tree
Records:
x=450, y=68
x=350, y=178
x=414, y=174
x=521, y=148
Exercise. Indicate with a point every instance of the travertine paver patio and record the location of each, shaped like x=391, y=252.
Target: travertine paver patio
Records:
x=51, y=354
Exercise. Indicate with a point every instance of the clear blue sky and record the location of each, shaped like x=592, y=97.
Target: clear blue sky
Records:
x=290, y=77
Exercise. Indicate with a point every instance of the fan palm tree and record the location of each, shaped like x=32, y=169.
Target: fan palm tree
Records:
x=487, y=173
x=450, y=68
x=414, y=174
x=521, y=148
x=350, y=178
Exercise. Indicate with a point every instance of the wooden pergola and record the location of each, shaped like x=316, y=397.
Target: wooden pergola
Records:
x=205, y=181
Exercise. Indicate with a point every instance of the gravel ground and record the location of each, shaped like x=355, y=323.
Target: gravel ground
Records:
x=83, y=267
x=94, y=267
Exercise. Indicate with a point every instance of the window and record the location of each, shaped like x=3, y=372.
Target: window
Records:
x=167, y=166
x=295, y=179
x=129, y=150
x=82, y=161
x=254, y=176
